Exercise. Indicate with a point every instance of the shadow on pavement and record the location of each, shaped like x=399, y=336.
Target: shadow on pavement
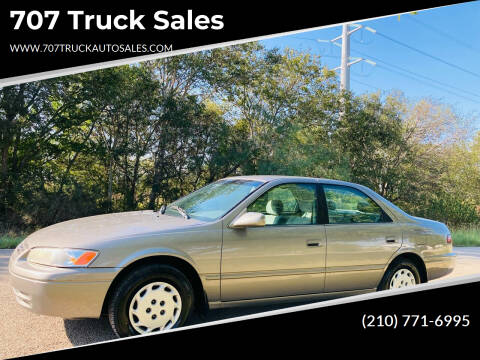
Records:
x=87, y=331
x=220, y=314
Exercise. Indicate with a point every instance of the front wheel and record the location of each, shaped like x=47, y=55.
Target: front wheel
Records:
x=152, y=298
x=402, y=274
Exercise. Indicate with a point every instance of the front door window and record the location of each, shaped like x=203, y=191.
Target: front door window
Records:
x=288, y=204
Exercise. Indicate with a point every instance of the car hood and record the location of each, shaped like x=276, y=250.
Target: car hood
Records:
x=89, y=231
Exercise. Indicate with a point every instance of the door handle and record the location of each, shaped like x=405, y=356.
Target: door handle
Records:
x=390, y=239
x=312, y=243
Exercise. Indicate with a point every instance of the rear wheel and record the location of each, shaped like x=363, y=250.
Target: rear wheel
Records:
x=152, y=298
x=403, y=273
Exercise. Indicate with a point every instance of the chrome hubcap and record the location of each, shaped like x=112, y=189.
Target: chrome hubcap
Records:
x=156, y=306
x=402, y=278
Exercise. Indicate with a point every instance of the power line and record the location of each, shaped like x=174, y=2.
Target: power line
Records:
x=442, y=33
x=423, y=82
x=365, y=84
x=415, y=78
x=345, y=62
x=419, y=75
x=316, y=42
x=423, y=52
x=418, y=80
x=302, y=38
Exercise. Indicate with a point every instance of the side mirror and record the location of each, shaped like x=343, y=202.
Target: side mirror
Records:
x=249, y=219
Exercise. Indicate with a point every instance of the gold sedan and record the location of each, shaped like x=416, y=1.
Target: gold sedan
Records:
x=239, y=240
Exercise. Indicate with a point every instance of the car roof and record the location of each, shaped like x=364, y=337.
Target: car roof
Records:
x=283, y=178
x=268, y=178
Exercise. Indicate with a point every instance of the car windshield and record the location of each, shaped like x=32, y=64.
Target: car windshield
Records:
x=214, y=200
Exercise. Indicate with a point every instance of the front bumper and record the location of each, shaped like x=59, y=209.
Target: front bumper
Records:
x=64, y=292
x=440, y=265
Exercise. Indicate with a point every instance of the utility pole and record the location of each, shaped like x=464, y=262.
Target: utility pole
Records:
x=345, y=45
x=345, y=68
x=345, y=64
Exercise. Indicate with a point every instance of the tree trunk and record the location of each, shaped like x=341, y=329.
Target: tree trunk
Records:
x=110, y=185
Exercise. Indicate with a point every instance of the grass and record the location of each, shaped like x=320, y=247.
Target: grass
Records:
x=468, y=236
x=11, y=235
x=9, y=241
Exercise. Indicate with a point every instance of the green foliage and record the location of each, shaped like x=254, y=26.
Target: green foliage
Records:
x=134, y=137
x=10, y=237
x=10, y=242
x=466, y=236
x=371, y=135
x=451, y=209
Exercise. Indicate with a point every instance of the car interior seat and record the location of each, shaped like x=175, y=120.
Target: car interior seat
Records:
x=305, y=213
x=274, y=211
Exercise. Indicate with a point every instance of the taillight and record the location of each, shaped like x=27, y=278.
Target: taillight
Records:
x=449, y=239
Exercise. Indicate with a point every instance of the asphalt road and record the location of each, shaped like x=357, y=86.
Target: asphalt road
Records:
x=24, y=333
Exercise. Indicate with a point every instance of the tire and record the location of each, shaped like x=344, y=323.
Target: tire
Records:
x=402, y=273
x=147, y=298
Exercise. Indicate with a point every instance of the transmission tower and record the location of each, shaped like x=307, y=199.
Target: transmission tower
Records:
x=347, y=60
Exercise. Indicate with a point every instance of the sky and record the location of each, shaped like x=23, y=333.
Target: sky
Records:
x=450, y=34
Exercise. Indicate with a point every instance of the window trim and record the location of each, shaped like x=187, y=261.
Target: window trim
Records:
x=325, y=209
x=313, y=184
x=322, y=205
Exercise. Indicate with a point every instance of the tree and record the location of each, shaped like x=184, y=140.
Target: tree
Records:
x=133, y=137
x=371, y=135
x=39, y=121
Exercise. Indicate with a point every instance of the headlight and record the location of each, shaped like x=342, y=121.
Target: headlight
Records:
x=61, y=257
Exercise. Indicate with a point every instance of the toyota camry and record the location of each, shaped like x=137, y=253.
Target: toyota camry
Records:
x=237, y=241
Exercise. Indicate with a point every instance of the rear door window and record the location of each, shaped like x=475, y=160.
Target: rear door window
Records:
x=346, y=205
